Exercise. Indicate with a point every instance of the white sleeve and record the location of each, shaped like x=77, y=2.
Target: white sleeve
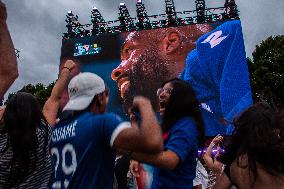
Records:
x=117, y=130
x=197, y=179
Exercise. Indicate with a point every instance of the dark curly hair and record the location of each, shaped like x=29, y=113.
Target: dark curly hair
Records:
x=259, y=134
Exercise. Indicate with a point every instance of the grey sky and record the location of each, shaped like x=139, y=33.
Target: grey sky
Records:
x=36, y=27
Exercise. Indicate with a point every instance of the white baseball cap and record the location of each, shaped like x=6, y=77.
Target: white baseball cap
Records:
x=82, y=89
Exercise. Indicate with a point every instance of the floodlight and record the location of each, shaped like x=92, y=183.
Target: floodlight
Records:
x=70, y=13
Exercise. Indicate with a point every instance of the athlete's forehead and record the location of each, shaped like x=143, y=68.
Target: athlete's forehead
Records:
x=132, y=39
x=132, y=36
x=144, y=35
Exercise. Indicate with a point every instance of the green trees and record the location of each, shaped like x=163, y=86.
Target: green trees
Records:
x=267, y=71
x=40, y=91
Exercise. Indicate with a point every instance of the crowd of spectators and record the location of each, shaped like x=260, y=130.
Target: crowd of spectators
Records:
x=252, y=157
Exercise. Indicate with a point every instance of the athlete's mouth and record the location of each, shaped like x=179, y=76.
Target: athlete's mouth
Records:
x=123, y=85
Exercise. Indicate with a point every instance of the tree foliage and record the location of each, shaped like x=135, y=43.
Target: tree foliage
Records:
x=40, y=91
x=267, y=71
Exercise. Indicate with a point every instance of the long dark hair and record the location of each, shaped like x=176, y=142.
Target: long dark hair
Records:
x=259, y=133
x=182, y=103
x=22, y=117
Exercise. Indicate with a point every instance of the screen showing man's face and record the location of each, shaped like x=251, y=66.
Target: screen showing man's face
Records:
x=142, y=68
x=134, y=63
x=149, y=58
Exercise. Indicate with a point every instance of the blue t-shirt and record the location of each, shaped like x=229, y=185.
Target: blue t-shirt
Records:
x=183, y=140
x=82, y=151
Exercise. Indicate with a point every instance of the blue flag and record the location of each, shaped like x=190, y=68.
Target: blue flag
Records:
x=218, y=72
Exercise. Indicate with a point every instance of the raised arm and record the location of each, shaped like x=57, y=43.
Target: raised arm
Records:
x=51, y=106
x=8, y=60
x=165, y=159
x=146, y=137
x=211, y=163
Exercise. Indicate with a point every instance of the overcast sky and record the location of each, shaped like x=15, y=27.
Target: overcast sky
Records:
x=36, y=27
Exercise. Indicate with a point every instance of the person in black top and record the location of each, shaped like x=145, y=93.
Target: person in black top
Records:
x=254, y=158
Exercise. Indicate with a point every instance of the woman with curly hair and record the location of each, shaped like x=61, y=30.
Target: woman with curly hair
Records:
x=255, y=156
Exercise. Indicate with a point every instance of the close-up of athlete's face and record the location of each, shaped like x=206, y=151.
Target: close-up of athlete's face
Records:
x=143, y=68
x=149, y=58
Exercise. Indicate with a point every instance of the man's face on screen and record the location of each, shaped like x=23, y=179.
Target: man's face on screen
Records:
x=143, y=68
x=151, y=57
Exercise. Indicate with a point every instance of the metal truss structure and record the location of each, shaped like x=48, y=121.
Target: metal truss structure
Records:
x=143, y=21
x=17, y=52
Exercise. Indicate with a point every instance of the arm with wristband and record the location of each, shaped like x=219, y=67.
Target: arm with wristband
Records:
x=50, y=108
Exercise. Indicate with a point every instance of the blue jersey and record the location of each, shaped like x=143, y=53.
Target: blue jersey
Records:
x=82, y=150
x=182, y=140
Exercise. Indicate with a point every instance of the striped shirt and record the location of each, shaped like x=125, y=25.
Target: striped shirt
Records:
x=40, y=174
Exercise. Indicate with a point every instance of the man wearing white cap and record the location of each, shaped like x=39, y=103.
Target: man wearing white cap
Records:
x=83, y=144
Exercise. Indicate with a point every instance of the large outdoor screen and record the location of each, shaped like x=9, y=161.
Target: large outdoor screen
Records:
x=138, y=62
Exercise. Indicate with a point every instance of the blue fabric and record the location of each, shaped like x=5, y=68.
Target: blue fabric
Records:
x=218, y=72
x=183, y=140
x=81, y=151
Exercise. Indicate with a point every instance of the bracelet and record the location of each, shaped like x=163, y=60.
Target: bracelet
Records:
x=67, y=68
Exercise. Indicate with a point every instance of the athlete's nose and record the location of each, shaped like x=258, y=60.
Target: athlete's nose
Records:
x=116, y=73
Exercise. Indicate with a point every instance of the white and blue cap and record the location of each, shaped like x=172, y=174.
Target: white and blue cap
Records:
x=82, y=89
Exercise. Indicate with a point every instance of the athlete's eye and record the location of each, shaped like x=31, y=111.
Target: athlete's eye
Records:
x=126, y=53
x=128, y=50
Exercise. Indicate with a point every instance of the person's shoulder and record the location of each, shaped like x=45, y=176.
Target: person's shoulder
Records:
x=184, y=123
x=185, y=120
x=107, y=120
x=44, y=128
x=110, y=117
x=43, y=132
x=69, y=117
x=3, y=140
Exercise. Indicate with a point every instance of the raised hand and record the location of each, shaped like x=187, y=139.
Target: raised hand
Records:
x=133, y=167
x=69, y=64
x=3, y=11
x=211, y=162
x=216, y=140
